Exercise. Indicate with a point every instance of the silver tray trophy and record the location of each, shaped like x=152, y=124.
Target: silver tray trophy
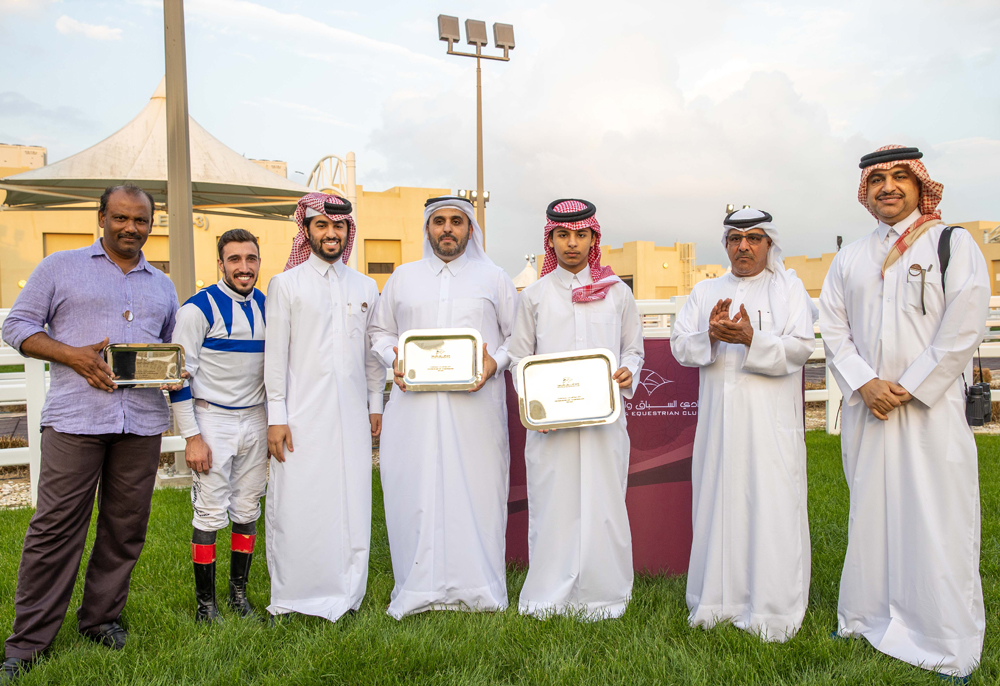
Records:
x=441, y=359
x=566, y=390
x=145, y=365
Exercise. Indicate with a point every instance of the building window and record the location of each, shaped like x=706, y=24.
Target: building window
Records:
x=162, y=266
x=380, y=267
x=628, y=282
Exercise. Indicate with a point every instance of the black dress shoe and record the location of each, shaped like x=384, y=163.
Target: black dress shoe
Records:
x=110, y=635
x=13, y=669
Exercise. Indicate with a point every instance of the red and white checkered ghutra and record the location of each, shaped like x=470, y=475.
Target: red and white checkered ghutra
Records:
x=300, y=244
x=931, y=193
x=604, y=277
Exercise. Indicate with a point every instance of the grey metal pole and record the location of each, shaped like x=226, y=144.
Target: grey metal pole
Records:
x=178, y=152
x=480, y=201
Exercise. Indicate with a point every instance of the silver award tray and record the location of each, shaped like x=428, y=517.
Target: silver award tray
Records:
x=565, y=390
x=440, y=359
x=145, y=365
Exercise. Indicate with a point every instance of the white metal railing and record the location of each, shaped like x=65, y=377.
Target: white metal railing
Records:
x=658, y=316
x=29, y=387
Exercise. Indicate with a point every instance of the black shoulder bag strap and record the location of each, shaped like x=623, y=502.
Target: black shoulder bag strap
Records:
x=944, y=252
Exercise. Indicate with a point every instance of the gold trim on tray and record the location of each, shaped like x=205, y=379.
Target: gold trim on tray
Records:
x=566, y=390
x=441, y=359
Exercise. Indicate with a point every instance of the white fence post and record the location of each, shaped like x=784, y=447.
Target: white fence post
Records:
x=34, y=380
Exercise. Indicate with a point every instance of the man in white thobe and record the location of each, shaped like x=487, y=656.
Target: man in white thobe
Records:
x=444, y=457
x=579, y=541
x=898, y=339
x=324, y=401
x=750, y=331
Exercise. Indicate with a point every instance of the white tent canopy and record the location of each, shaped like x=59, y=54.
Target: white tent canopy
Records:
x=221, y=179
x=526, y=277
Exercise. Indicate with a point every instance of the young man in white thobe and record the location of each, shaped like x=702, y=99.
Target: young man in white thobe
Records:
x=750, y=332
x=579, y=541
x=444, y=457
x=221, y=414
x=324, y=403
x=898, y=339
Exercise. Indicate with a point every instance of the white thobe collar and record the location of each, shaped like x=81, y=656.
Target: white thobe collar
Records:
x=224, y=287
x=883, y=228
x=750, y=279
x=455, y=266
x=570, y=280
x=322, y=266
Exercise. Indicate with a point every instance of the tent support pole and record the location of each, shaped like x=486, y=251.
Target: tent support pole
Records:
x=178, y=164
x=352, y=196
x=178, y=152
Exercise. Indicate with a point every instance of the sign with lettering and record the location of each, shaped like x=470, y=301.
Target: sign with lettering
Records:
x=661, y=416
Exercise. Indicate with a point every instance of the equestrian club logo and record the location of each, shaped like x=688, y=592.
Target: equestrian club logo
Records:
x=649, y=381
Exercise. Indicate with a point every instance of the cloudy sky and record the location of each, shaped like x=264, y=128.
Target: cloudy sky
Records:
x=659, y=112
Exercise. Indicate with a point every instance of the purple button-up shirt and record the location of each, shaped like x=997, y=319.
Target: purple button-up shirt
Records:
x=82, y=296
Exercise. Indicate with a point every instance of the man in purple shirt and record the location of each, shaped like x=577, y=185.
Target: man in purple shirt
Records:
x=93, y=433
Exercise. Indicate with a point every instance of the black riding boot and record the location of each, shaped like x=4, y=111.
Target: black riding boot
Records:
x=243, y=538
x=239, y=575
x=203, y=555
x=204, y=593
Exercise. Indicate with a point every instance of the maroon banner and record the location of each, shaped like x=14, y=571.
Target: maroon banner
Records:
x=661, y=420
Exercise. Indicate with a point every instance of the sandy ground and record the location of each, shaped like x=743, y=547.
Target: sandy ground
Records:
x=15, y=490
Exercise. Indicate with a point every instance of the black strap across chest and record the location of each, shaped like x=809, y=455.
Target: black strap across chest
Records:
x=944, y=251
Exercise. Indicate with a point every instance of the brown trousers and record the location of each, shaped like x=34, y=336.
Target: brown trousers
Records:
x=72, y=467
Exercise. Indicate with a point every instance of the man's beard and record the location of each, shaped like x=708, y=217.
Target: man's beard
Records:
x=316, y=245
x=230, y=280
x=460, y=245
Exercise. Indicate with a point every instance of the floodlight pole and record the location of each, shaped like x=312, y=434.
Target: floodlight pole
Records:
x=178, y=152
x=480, y=202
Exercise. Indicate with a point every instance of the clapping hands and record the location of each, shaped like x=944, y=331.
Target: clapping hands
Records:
x=737, y=330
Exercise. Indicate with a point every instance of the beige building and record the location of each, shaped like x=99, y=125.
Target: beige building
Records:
x=15, y=159
x=658, y=272
x=812, y=270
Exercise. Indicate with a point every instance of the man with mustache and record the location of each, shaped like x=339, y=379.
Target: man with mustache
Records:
x=899, y=331
x=324, y=388
x=749, y=332
x=221, y=414
x=580, y=543
x=94, y=432
x=444, y=457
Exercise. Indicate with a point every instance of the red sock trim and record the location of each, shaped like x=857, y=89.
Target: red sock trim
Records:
x=203, y=554
x=242, y=543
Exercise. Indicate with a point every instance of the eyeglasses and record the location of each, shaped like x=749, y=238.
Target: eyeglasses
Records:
x=734, y=239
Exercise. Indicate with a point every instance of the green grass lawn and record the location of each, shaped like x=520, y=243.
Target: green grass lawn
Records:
x=650, y=644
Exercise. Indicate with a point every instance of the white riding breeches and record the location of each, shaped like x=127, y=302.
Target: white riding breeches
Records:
x=235, y=483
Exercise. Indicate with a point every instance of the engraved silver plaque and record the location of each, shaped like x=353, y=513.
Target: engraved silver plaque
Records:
x=145, y=365
x=565, y=390
x=441, y=359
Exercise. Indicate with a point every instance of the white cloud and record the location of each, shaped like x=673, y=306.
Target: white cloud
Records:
x=264, y=22
x=24, y=6
x=67, y=26
x=661, y=132
x=302, y=111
